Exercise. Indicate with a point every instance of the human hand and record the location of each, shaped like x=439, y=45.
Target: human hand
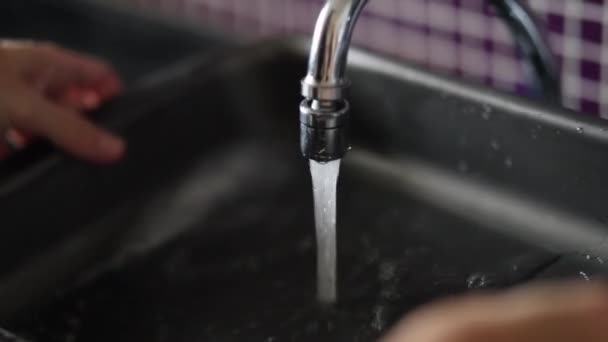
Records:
x=570, y=312
x=43, y=89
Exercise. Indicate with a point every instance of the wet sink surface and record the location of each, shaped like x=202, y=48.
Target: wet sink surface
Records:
x=245, y=269
x=205, y=231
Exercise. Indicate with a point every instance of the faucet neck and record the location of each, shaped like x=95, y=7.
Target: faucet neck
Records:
x=326, y=79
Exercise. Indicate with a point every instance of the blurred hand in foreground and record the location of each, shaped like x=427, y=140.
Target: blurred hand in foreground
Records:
x=569, y=312
x=43, y=90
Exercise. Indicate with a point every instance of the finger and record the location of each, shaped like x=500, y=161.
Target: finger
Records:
x=78, y=98
x=540, y=313
x=109, y=86
x=70, y=131
x=557, y=312
x=539, y=299
x=73, y=67
x=17, y=139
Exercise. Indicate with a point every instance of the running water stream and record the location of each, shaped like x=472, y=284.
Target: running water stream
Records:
x=324, y=181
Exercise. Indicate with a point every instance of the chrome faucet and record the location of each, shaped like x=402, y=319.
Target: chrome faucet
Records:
x=324, y=113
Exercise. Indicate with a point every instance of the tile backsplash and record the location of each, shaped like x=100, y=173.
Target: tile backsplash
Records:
x=462, y=37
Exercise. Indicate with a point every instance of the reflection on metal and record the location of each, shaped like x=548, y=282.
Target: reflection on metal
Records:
x=324, y=112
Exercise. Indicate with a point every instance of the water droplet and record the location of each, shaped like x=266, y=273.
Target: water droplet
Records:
x=495, y=145
x=580, y=130
x=599, y=260
x=463, y=166
x=378, y=319
x=477, y=281
x=509, y=162
x=585, y=276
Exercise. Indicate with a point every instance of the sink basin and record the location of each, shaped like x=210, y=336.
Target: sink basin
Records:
x=205, y=230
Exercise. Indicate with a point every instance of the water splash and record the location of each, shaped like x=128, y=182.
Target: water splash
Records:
x=477, y=281
x=379, y=321
x=324, y=181
x=595, y=259
x=580, y=130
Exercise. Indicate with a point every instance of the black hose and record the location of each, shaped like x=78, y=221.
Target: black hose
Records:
x=531, y=41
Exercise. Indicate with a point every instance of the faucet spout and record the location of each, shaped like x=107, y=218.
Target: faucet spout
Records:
x=324, y=111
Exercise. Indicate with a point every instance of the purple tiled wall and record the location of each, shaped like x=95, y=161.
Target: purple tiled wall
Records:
x=461, y=37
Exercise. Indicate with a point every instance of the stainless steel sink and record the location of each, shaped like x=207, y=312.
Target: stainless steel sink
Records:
x=205, y=230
